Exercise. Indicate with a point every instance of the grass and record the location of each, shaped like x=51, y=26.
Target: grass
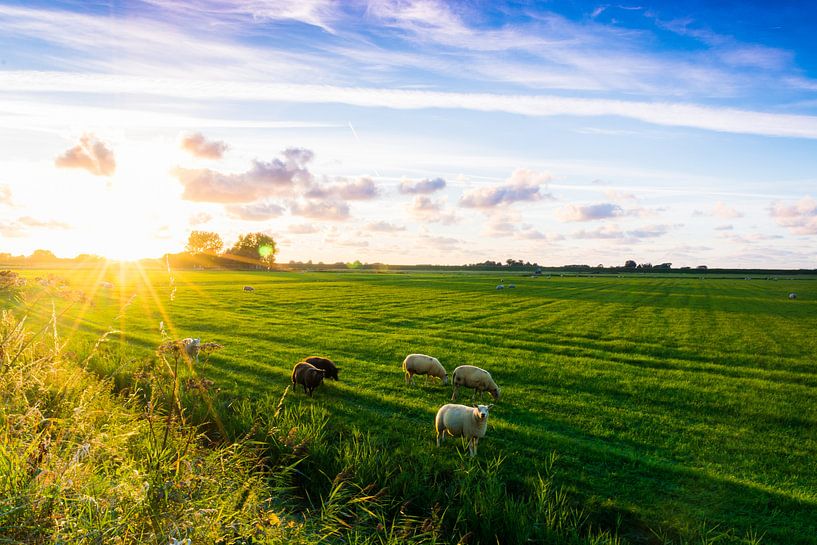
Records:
x=677, y=410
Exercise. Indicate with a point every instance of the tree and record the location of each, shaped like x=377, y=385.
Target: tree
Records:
x=204, y=242
x=255, y=247
x=43, y=255
x=629, y=264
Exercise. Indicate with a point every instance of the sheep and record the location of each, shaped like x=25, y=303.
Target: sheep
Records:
x=474, y=377
x=511, y=285
x=500, y=287
x=329, y=368
x=462, y=421
x=309, y=376
x=192, y=348
x=420, y=364
x=792, y=296
x=106, y=285
x=249, y=288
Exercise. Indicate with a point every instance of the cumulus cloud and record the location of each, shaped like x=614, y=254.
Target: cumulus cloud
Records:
x=28, y=221
x=90, y=154
x=523, y=185
x=799, y=218
x=426, y=186
x=259, y=211
x=589, y=212
x=303, y=229
x=331, y=210
x=426, y=209
x=265, y=179
x=722, y=210
x=384, y=227
x=197, y=145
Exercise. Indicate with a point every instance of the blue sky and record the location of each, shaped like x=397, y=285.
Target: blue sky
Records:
x=413, y=131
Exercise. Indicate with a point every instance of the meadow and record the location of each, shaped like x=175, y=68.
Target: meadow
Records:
x=667, y=409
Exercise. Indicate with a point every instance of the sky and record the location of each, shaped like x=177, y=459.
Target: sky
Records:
x=402, y=132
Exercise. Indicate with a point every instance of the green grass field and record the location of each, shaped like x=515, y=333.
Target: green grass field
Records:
x=676, y=406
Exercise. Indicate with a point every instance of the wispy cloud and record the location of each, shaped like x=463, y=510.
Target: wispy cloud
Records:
x=614, y=232
x=197, y=145
x=384, y=227
x=303, y=229
x=90, y=154
x=659, y=113
x=5, y=195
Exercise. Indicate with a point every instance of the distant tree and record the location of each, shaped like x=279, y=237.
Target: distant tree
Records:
x=204, y=242
x=629, y=264
x=43, y=255
x=702, y=267
x=255, y=247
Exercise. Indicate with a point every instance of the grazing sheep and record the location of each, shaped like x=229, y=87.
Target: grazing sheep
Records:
x=192, y=348
x=309, y=376
x=249, y=288
x=511, y=285
x=420, y=364
x=792, y=296
x=474, y=377
x=328, y=366
x=106, y=285
x=500, y=287
x=462, y=421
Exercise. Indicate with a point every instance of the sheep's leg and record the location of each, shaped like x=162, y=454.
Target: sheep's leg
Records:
x=474, y=445
x=440, y=436
x=454, y=395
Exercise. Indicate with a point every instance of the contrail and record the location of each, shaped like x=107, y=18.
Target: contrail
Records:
x=354, y=132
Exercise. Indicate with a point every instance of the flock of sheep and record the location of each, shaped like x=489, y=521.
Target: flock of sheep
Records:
x=468, y=422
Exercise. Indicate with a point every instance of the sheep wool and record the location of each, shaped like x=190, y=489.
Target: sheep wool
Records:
x=470, y=423
x=474, y=377
x=420, y=364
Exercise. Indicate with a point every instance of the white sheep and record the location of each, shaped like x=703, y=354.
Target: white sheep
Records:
x=471, y=376
x=511, y=285
x=500, y=287
x=192, y=348
x=469, y=423
x=792, y=296
x=420, y=364
x=249, y=288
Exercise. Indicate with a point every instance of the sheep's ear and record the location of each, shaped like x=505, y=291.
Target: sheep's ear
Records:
x=491, y=405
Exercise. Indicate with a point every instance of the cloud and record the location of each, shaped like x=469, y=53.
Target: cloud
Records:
x=426, y=209
x=331, y=210
x=90, y=154
x=28, y=221
x=259, y=211
x=384, y=227
x=724, y=227
x=723, y=211
x=619, y=196
x=590, y=212
x=523, y=185
x=21, y=226
x=614, y=232
x=276, y=178
x=200, y=218
x=303, y=229
x=5, y=195
x=362, y=189
x=799, y=218
x=711, y=118
x=200, y=147
x=426, y=186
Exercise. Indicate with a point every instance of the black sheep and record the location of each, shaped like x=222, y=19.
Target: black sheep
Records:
x=307, y=375
x=327, y=365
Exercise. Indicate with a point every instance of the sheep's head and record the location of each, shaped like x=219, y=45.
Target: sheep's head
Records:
x=481, y=412
x=494, y=393
x=445, y=378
